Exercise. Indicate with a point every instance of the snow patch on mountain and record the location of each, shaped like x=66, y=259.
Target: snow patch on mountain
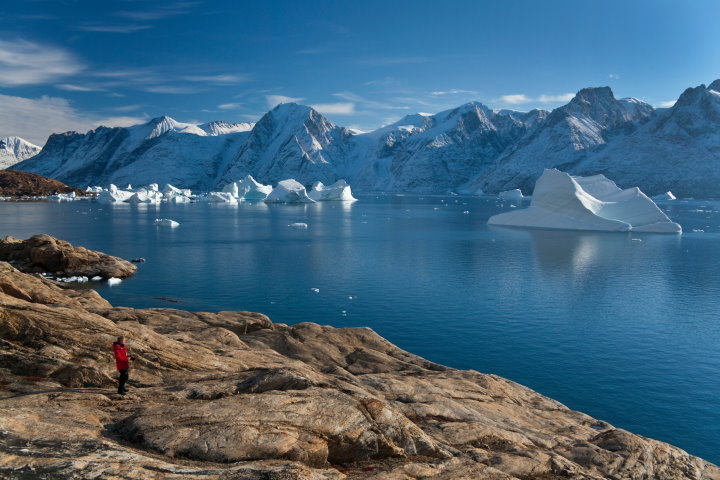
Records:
x=14, y=150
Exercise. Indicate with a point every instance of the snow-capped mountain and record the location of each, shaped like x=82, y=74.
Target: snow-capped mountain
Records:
x=463, y=149
x=14, y=150
x=162, y=149
x=567, y=136
x=292, y=141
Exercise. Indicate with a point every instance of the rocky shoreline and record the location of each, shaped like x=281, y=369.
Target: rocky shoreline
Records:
x=232, y=395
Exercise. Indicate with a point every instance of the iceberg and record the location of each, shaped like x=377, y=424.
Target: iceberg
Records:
x=301, y=225
x=563, y=202
x=511, y=195
x=63, y=197
x=166, y=222
x=145, y=196
x=219, y=197
x=665, y=196
x=114, y=195
x=252, y=190
x=289, y=191
x=95, y=189
x=338, y=191
x=232, y=189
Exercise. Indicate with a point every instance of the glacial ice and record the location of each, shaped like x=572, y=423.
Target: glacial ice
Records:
x=113, y=281
x=63, y=197
x=665, y=196
x=114, y=195
x=338, y=191
x=219, y=197
x=289, y=191
x=251, y=190
x=563, y=202
x=298, y=225
x=166, y=222
x=511, y=195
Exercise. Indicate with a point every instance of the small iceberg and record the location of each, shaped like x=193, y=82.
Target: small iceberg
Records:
x=563, y=202
x=289, y=191
x=114, y=195
x=665, y=196
x=166, y=222
x=298, y=225
x=219, y=197
x=113, y=281
x=511, y=195
x=63, y=197
x=248, y=189
x=338, y=191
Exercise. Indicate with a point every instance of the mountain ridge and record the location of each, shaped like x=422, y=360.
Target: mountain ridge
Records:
x=469, y=148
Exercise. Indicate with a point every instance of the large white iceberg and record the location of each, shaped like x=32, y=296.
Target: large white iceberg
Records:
x=218, y=197
x=146, y=196
x=563, y=202
x=114, y=195
x=248, y=189
x=289, y=191
x=338, y=191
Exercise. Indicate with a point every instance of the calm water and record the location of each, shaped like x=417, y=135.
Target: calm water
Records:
x=623, y=327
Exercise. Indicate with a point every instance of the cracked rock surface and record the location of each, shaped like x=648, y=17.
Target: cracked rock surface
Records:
x=231, y=395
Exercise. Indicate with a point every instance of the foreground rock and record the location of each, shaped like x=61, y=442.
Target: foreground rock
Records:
x=14, y=183
x=232, y=395
x=43, y=253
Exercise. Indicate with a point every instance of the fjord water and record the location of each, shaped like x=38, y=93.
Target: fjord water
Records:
x=621, y=326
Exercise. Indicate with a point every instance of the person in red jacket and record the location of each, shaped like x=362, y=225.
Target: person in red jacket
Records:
x=122, y=362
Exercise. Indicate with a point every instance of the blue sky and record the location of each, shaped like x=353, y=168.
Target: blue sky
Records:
x=72, y=65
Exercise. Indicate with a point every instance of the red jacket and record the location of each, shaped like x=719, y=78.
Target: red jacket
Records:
x=121, y=356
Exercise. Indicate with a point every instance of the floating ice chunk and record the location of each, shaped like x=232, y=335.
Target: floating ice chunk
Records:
x=219, y=197
x=94, y=189
x=562, y=202
x=145, y=196
x=114, y=195
x=338, y=191
x=316, y=290
x=466, y=212
x=298, y=225
x=252, y=190
x=113, y=281
x=166, y=222
x=153, y=187
x=288, y=191
x=170, y=191
x=232, y=189
x=665, y=196
x=63, y=197
x=511, y=195
x=96, y=278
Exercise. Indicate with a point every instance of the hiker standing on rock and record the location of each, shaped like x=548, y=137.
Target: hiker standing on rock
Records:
x=122, y=362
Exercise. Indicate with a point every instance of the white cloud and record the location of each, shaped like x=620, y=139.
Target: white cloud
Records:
x=162, y=11
x=111, y=28
x=341, y=108
x=352, y=97
x=455, y=91
x=614, y=76
x=667, y=104
x=28, y=63
x=516, y=99
x=230, y=106
x=275, y=100
x=171, y=89
x=76, y=88
x=520, y=98
x=564, y=97
x=127, y=108
x=34, y=119
x=219, y=79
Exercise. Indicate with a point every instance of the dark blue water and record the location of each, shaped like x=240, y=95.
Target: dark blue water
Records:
x=623, y=327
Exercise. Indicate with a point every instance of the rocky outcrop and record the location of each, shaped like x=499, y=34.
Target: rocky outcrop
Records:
x=233, y=395
x=14, y=183
x=46, y=254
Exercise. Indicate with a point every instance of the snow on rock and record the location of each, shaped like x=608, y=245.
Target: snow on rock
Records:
x=14, y=150
x=665, y=196
x=289, y=191
x=563, y=202
x=166, y=222
x=511, y=195
x=338, y=191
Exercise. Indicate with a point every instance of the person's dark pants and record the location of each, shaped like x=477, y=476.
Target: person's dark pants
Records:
x=123, y=378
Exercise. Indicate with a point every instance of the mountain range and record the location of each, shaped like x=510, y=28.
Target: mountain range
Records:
x=471, y=148
x=14, y=150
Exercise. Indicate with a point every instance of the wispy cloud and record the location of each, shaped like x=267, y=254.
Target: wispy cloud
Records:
x=385, y=82
x=159, y=12
x=667, y=104
x=312, y=51
x=613, y=76
x=520, y=98
x=342, y=108
x=132, y=28
x=385, y=61
x=127, y=108
x=172, y=89
x=454, y=91
x=69, y=87
x=222, y=79
x=275, y=100
x=230, y=106
x=352, y=97
x=34, y=119
x=28, y=63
